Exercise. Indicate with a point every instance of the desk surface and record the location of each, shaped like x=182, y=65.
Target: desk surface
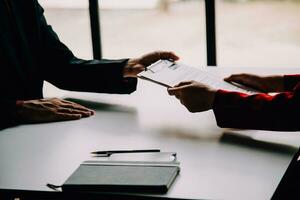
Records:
x=34, y=155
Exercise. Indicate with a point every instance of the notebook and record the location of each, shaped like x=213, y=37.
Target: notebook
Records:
x=169, y=74
x=123, y=176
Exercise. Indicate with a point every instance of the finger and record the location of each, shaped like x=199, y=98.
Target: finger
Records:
x=66, y=116
x=177, y=90
x=182, y=102
x=230, y=78
x=247, y=80
x=178, y=97
x=235, y=78
x=76, y=107
x=184, y=83
x=69, y=104
x=75, y=111
x=138, y=68
x=238, y=77
x=167, y=55
x=173, y=92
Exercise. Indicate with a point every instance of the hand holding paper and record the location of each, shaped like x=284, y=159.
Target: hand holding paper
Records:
x=195, y=88
x=196, y=97
x=137, y=65
x=268, y=84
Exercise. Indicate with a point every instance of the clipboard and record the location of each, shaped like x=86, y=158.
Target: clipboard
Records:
x=169, y=73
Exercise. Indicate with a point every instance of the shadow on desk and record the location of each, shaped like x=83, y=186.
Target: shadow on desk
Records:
x=110, y=118
x=100, y=106
x=255, y=144
x=37, y=195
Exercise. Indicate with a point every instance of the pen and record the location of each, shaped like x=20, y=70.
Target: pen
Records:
x=126, y=151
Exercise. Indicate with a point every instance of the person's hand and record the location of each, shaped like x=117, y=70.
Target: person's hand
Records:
x=137, y=65
x=51, y=110
x=196, y=97
x=261, y=83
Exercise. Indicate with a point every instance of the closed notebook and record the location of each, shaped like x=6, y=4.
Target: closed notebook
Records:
x=140, y=173
x=121, y=178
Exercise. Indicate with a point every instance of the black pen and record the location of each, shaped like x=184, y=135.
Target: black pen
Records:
x=126, y=151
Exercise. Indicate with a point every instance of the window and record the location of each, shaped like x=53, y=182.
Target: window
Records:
x=251, y=33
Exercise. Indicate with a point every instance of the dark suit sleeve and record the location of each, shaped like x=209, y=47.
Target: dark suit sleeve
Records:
x=64, y=70
x=261, y=111
x=8, y=113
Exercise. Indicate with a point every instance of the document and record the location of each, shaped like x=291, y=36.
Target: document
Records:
x=169, y=74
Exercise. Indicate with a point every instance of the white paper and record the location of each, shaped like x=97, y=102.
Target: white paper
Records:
x=169, y=74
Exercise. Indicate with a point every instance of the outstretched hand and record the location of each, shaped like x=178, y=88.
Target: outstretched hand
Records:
x=196, y=97
x=137, y=65
x=51, y=110
x=262, y=83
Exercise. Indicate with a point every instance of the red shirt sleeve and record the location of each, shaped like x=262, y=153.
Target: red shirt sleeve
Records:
x=259, y=111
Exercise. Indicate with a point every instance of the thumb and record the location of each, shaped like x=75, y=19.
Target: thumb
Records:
x=229, y=79
x=183, y=83
x=177, y=90
x=174, y=91
x=138, y=68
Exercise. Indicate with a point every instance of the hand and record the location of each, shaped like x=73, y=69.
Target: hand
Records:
x=261, y=83
x=195, y=96
x=50, y=110
x=137, y=65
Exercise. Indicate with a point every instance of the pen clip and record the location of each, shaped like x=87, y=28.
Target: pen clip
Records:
x=101, y=155
x=109, y=153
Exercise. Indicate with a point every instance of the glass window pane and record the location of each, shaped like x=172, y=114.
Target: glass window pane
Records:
x=177, y=26
x=70, y=20
x=133, y=27
x=260, y=33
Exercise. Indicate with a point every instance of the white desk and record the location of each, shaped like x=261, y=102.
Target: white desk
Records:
x=33, y=155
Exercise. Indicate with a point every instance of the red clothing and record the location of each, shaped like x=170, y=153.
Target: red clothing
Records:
x=260, y=111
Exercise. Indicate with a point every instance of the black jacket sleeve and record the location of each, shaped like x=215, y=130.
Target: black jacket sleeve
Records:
x=291, y=81
x=8, y=113
x=64, y=70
